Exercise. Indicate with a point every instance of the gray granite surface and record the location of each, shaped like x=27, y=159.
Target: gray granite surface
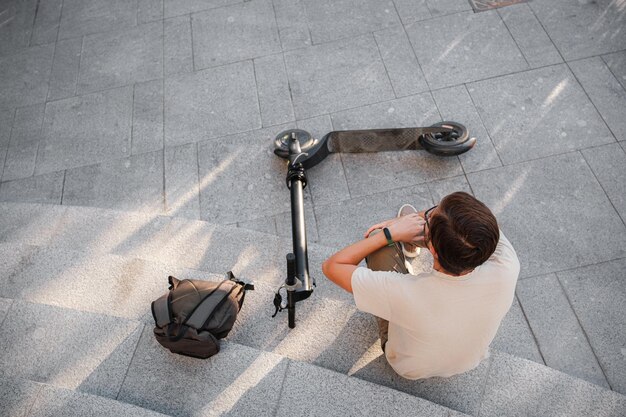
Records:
x=168, y=108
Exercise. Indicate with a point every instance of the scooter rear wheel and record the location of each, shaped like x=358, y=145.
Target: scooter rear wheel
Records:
x=454, y=142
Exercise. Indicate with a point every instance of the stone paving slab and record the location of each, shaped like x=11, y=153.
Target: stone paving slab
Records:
x=6, y=123
x=147, y=131
x=133, y=183
x=84, y=17
x=86, y=130
x=538, y=113
x=25, y=138
x=400, y=62
x=24, y=76
x=305, y=385
x=178, y=54
x=273, y=88
x=233, y=107
x=235, y=33
x=238, y=381
x=582, y=29
x=170, y=241
x=515, y=336
x=472, y=47
x=149, y=10
x=17, y=397
x=241, y=178
x=65, y=69
x=293, y=27
x=529, y=35
x=441, y=188
x=30, y=224
x=5, y=304
x=182, y=194
x=461, y=392
x=517, y=387
x=445, y=7
x=617, y=64
x=180, y=7
x=597, y=295
x=331, y=20
x=343, y=223
x=46, y=22
x=16, y=29
x=52, y=401
x=335, y=76
x=14, y=257
x=327, y=181
x=604, y=91
x=105, y=284
x=91, y=352
x=542, y=205
x=455, y=104
x=412, y=11
x=119, y=58
x=562, y=341
x=607, y=164
x=369, y=173
x=46, y=188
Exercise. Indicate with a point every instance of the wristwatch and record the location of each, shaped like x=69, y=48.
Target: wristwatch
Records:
x=387, y=233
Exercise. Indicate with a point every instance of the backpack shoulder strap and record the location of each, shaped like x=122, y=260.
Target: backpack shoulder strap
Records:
x=161, y=310
x=204, y=310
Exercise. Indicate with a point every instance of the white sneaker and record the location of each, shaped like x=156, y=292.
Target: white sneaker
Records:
x=409, y=250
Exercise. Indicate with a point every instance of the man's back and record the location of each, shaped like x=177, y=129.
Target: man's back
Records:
x=440, y=325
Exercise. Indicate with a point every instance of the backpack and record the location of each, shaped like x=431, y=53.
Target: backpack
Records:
x=192, y=317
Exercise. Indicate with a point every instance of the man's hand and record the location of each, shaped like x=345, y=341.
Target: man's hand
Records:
x=409, y=228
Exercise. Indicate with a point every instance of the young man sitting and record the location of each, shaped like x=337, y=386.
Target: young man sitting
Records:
x=440, y=322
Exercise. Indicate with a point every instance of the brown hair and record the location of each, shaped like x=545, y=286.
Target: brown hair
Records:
x=463, y=232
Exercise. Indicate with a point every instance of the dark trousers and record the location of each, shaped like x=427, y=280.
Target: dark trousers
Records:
x=388, y=258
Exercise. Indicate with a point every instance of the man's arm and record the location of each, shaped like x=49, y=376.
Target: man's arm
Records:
x=339, y=267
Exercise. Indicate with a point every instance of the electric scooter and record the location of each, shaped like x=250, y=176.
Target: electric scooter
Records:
x=304, y=152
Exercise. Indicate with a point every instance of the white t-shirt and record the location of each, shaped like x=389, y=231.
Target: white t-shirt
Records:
x=440, y=325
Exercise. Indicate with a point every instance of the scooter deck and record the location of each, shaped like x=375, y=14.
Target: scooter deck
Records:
x=379, y=140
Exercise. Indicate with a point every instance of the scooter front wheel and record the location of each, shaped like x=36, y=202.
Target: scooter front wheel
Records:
x=281, y=143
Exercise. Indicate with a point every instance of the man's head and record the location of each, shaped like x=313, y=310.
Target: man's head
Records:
x=463, y=232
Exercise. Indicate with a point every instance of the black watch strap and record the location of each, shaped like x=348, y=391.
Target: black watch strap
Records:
x=388, y=236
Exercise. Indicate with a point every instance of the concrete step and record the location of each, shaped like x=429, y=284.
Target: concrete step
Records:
x=115, y=263
x=94, y=364
x=24, y=398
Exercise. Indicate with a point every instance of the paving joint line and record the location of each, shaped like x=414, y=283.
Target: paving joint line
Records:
x=282, y=387
x=530, y=327
x=40, y=386
x=484, y=390
x=5, y=158
x=32, y=31
x=610, y=70
x=419, y=65
x=130, y=362
x=602, y=187
x=193, y=52
x=380, y=55
x=513, y=38
x=63, y=186
x=574, y=268
x=199, y=180
x=595, y=355
x=482, y=122
x=589, y=97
